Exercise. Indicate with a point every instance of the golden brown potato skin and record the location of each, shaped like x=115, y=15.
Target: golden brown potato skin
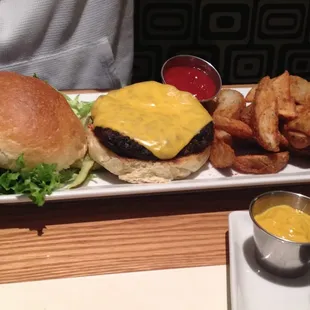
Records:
x=251, y=94
x=282, y=87
x=300, y=90
x=286, y=104
x=261, y=164
x=246, y=114
x=222, y=155
x=230, y=104
x=265, y=116
x=234, y=127
x=275, y=120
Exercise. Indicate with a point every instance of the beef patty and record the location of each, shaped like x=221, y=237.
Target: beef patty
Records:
x=127, y=147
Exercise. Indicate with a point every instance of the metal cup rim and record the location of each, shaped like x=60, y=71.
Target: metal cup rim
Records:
x=200, y=59
x=267, y=232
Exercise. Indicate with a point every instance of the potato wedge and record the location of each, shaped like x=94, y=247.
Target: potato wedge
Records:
x=251, y=94
x=246, y=114
x=234, y=127
x=230, y=104
x=283, y=141
x=246, y=117
x=221, y=155
x=300, y=89
x=301, y=108
x=261, y=164
x=297, y=140
x=286, y=104
x=301, y=123
x=265, y=116
x=282, y=89
x=223, y=135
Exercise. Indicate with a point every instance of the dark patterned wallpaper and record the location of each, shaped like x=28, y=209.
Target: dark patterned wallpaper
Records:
x=243, y=39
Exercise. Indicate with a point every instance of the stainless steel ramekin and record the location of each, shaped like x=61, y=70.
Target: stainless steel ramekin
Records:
x=196, y=62
x=279, y=256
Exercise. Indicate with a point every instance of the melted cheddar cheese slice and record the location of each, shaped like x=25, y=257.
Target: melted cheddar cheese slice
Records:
x=158, y=116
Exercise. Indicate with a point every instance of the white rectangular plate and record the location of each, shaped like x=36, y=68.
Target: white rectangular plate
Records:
x=251, y=287
x=105, y=184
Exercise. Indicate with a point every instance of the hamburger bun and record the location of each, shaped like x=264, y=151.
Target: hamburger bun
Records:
x=150, y=132
x=139, y=171
x=37, y=121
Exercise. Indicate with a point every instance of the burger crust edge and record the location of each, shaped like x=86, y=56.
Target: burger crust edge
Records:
x=139, y=171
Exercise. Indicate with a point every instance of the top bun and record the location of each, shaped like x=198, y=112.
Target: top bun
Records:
x=36, y=120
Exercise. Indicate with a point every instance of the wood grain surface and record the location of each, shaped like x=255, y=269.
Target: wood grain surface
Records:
x=90, y=237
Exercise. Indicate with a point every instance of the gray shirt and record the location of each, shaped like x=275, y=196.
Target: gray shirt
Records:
x=73, y=44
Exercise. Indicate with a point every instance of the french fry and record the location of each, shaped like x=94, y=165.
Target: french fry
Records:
x=282, y=89
x=300, y=89
x=277, y=119
x=301, y=108
x=251, y=94
x=230, y=104
x=283, y=141
x=246, y=114
x=265, y=116
x=297, y=140
x=234, y=127
x=224, y=136
x=221, y=155
x=286, y=104
x=261, y=164
x=301, y=123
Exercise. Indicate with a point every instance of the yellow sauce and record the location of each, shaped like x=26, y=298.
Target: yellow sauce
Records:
x=285, y=222
x=158, y=116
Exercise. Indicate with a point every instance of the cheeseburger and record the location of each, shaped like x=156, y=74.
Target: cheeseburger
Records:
x=150, y=132
x=37, y=121
x=40, y=138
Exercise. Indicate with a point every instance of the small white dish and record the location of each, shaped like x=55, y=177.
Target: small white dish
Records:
x=253, y=288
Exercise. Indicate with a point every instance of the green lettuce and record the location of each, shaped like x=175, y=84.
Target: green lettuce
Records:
x=35, y=183
x=80, y=108
x=44, y=179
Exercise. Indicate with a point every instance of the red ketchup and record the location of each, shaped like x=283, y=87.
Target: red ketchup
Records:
x=192, y=80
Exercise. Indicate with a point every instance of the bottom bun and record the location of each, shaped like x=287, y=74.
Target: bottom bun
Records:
x=139, y=171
